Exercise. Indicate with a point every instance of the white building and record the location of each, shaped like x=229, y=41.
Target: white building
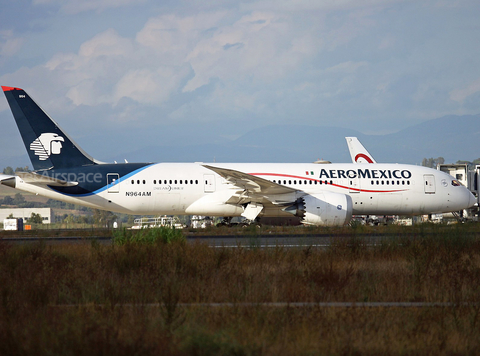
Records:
x=25, y=213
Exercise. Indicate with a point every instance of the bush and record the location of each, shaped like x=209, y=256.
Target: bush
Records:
x=155, y=235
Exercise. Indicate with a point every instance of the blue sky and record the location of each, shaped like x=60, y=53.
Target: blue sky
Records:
x=213, y=70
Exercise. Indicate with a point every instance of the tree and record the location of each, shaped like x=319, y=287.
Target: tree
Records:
x=433, y=162
x=22, y=169
x=8, y=200
x=69, y=219
x=35, y=219
x=103, y=218
x=8, y=170
x=19, y=199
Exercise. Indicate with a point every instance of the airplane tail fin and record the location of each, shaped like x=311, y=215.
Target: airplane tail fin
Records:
x=48, y=146
x=358, y=153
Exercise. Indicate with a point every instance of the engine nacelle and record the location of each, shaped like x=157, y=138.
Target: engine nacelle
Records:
x=326, y=209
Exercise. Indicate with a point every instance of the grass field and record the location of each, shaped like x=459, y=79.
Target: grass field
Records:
x=149, y=298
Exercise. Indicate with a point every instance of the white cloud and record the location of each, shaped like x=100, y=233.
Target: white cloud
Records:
x=459, y=95
x=77, y=6
x=9, y=44
x=150, y=86
x=271, y=59
x=323, y=5
x=258, y=47
x=346, y=67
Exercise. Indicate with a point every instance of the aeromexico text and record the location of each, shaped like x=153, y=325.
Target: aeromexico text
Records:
x=365, y=173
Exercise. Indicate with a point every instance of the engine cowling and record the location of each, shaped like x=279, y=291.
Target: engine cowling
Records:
x=325, y=209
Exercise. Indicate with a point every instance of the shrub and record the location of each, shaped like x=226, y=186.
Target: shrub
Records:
x=148, y=236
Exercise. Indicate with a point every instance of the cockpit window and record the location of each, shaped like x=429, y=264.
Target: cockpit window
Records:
x=456, y=183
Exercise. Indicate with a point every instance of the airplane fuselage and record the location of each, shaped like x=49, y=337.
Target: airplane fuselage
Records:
x=190, y=188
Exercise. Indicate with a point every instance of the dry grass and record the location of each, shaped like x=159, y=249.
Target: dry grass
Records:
x=100, y=299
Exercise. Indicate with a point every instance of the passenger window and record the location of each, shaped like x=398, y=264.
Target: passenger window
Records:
x=133, y=182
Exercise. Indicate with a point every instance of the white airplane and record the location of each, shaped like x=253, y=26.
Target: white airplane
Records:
x=358, y=153
x=319, y=194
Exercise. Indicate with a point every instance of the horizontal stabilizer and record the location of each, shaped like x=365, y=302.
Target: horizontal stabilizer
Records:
x=42, y=180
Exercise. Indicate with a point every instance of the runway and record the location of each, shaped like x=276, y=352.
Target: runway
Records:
x=216, y=241
x=363, y=305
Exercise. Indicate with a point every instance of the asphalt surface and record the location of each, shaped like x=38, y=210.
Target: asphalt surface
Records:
x=227, y=241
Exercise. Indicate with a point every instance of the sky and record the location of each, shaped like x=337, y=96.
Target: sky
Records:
x=119, y=75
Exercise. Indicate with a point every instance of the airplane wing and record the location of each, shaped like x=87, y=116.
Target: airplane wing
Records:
x=255, y=193
x=41, y=180
x=251, y=183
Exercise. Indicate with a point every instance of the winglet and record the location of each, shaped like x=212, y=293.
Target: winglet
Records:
x=9, y=88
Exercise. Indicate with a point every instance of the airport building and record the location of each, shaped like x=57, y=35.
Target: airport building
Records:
x=25, y=213
x=470, y=178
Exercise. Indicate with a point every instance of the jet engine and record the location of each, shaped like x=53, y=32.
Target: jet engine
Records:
x=326, y=209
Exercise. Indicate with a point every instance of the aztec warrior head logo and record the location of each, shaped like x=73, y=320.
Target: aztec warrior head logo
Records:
x=47, y=144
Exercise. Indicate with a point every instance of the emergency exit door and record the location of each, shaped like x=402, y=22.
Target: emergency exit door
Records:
x=112, y=182
x=429, y=183
x=209, y=181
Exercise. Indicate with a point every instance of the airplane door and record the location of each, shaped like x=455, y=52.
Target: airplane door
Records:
x=429, y=185
x=353, y=185
x=112, y=182
x=209, y=180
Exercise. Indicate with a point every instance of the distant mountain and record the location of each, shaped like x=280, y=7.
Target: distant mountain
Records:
x=452, y=137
